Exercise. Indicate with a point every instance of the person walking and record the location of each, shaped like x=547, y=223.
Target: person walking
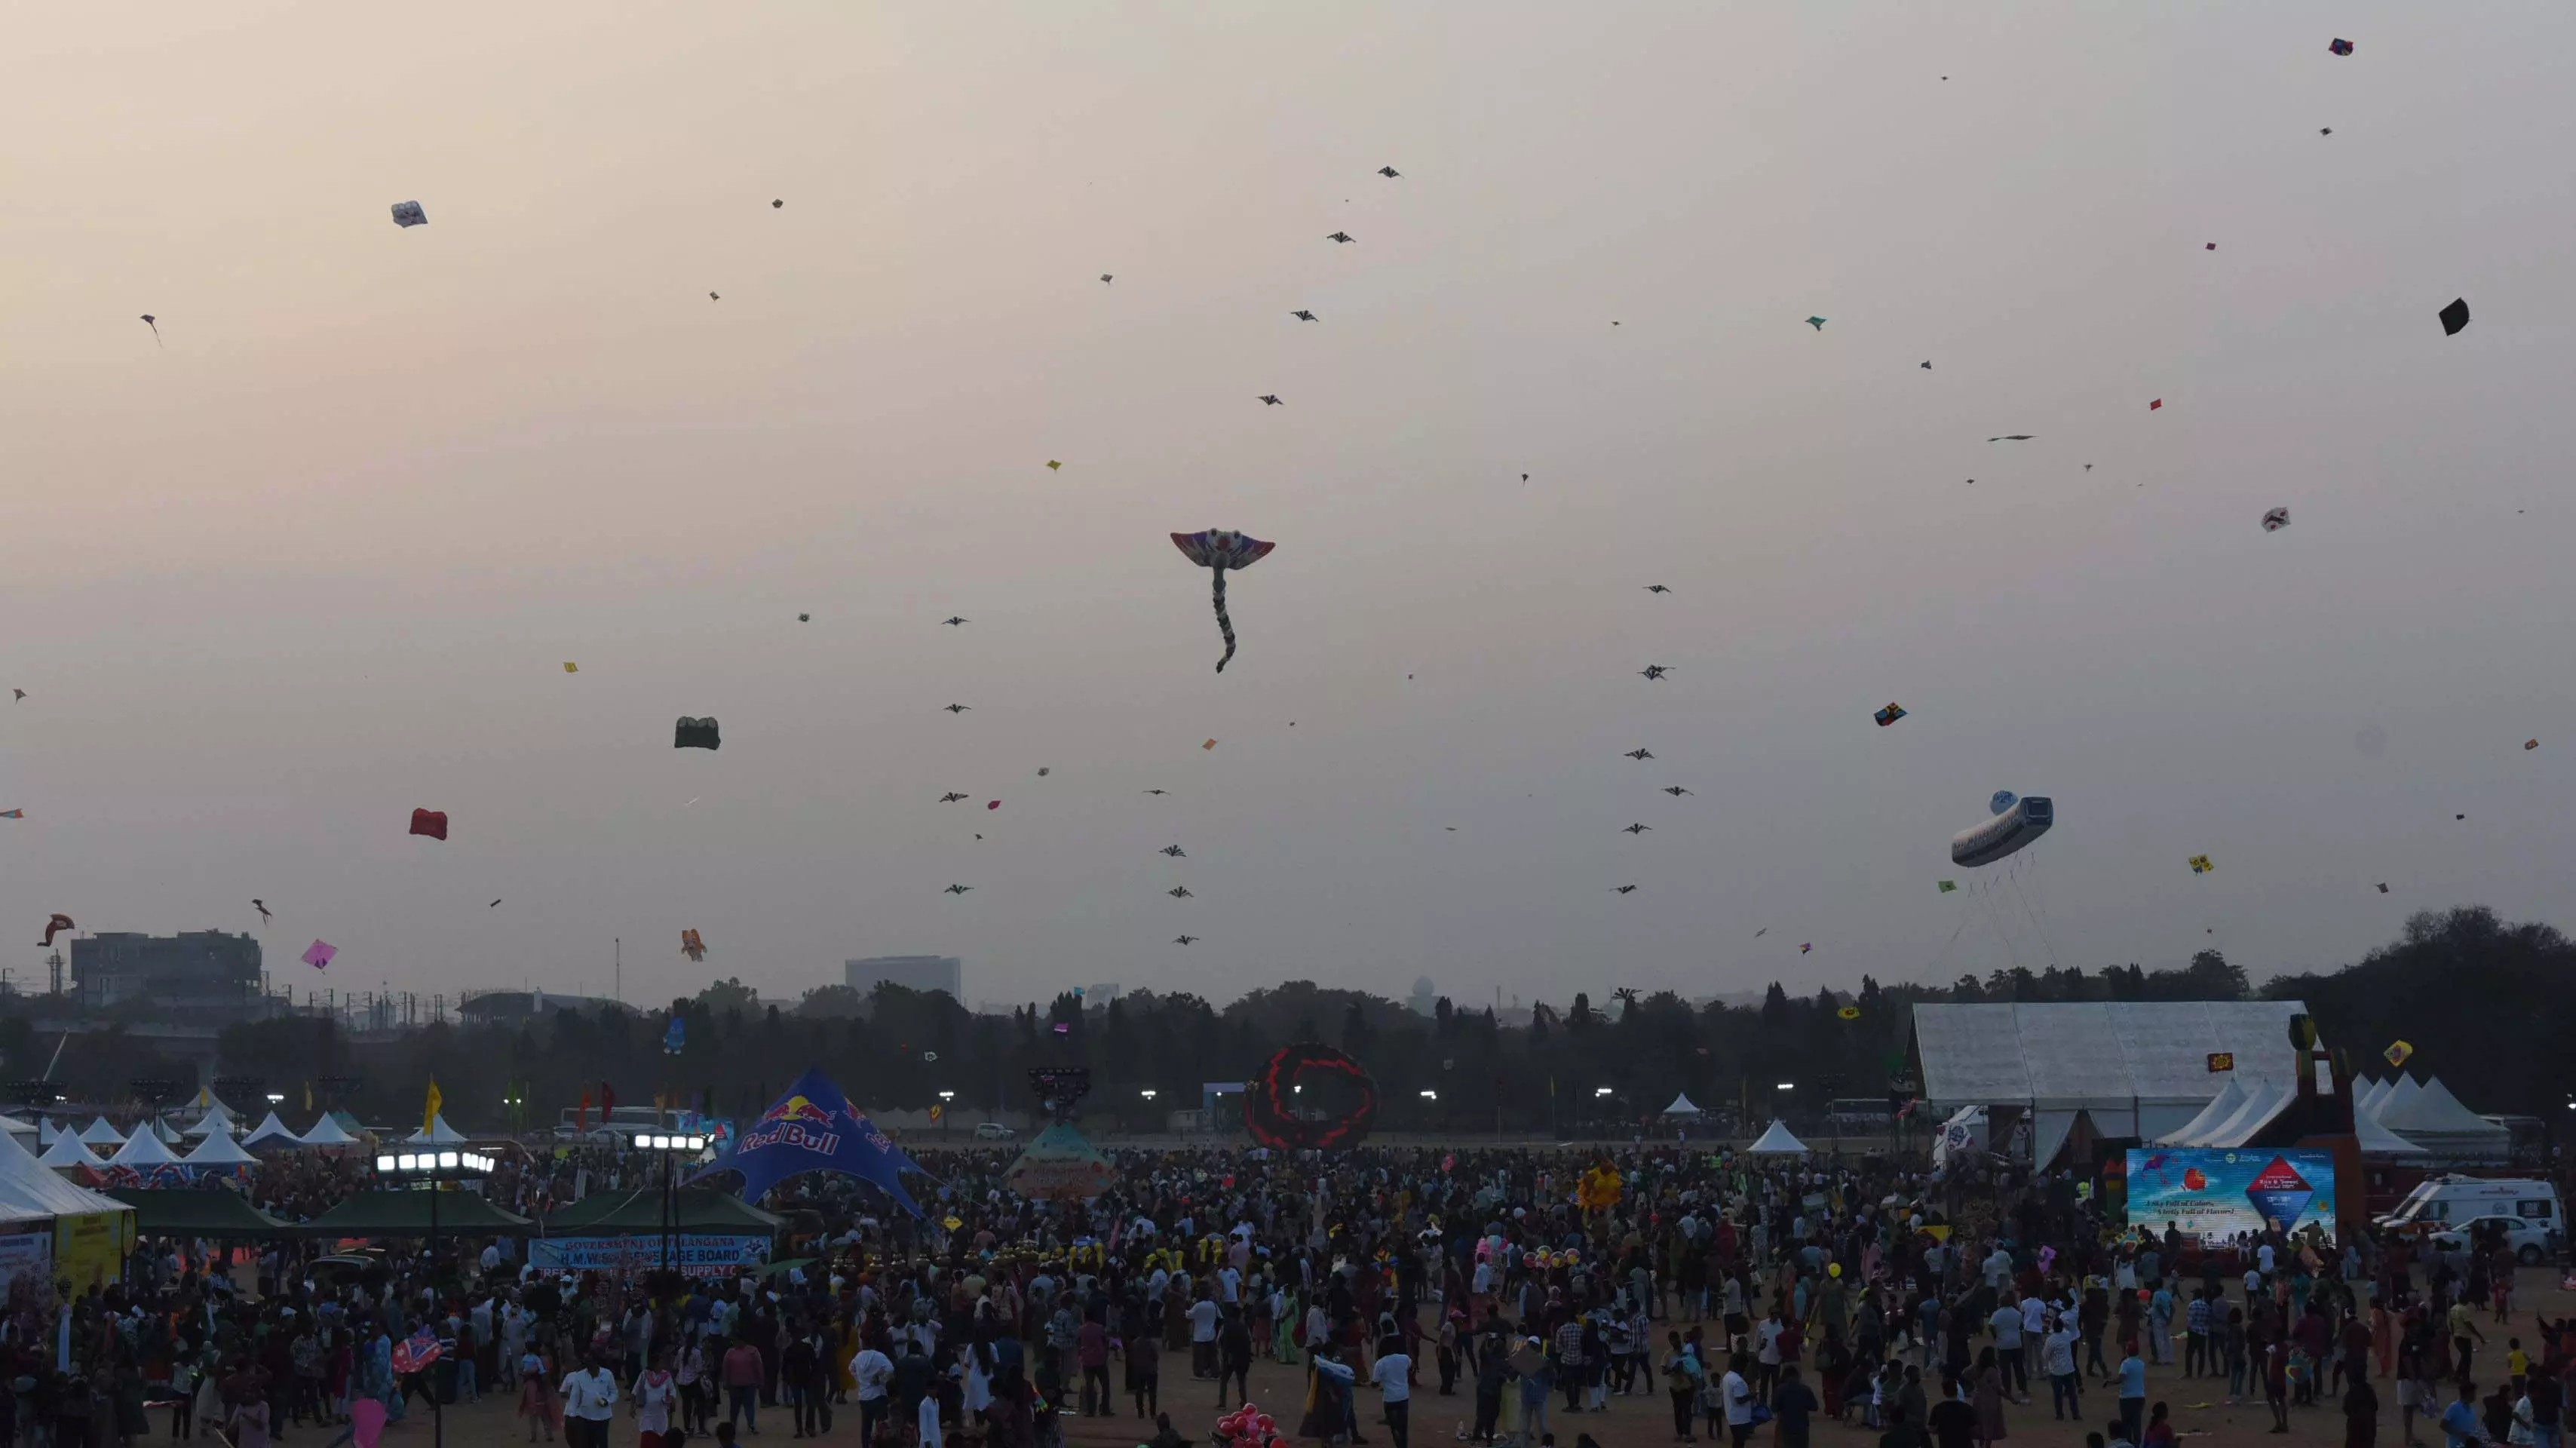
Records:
x=588, y=1396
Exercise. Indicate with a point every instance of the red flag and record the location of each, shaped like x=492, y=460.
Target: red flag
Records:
x=607, y=1100
x=581, y=1122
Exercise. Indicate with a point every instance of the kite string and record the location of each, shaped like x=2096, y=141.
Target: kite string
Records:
x=1224, y=625
x=2023, y=897
x=2039, y=898
x=1985, y=892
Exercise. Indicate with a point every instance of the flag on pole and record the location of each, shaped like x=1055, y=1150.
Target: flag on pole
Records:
x=429, y=1108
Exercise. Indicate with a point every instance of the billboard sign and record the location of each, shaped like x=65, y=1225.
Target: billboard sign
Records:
x=2220, y=1193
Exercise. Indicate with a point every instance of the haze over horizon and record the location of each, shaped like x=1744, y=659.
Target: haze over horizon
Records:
x=319, y=558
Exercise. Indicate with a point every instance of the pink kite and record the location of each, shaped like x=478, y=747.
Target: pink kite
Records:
x=319, y=953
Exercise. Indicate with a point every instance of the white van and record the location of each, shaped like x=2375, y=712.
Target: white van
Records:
x=2442, y=1203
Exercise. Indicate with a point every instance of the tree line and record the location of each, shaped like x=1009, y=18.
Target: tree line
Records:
x=2484, y=1004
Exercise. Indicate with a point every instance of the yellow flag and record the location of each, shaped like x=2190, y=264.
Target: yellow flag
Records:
x=308, y=1095
x=429, y=1111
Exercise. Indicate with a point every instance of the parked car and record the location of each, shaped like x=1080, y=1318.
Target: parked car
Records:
x=2528, y=1237
x=993, y=1131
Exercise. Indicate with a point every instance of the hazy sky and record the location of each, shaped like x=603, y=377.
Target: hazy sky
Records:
x=322, y=559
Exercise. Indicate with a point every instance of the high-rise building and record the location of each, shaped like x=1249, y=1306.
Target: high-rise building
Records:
x=198, y=969
x=914, y=972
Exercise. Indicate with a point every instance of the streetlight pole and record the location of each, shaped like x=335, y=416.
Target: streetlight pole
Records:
x=670, y=1146
x=1148, y=1095
x=433, y=1169
x=947, y=1105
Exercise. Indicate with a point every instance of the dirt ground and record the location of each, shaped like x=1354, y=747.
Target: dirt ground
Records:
x=1644, y=1421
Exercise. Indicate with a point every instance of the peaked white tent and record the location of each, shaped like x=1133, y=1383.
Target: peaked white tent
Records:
x=1681, y=1106
x=437, y=1133
x=2377, y=1140
x=2263, y=1101
x=1778, y=1142
x=143, y=1149
x=2400, y=1092
x=220, y=1150
x=2434, y=1119
x=27, y=1189
x=46, y=1131
x=99, y=1133
x=218, y=1117
x=328, y=1132
x=2366, y=1094
x=2221, y=1106
x=272, y=1132
x=69, y=1151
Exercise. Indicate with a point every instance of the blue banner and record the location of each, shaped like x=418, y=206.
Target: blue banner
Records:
x=815, y=1128
x=2218, y=1194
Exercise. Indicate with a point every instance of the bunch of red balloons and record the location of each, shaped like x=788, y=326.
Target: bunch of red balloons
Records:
x=1249, y=1427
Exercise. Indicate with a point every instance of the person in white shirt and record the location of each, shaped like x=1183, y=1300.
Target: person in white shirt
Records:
x=1738, y=1397
x=1203, y=1320
x=588, y=1394
x=872, y=1370
x=1392, y=1374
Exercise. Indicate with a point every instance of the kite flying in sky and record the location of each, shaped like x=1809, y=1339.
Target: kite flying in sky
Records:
x=57, y=924
x=1389, y=172
x=1889, y=715
x=2014, y=437
x=1816, y=322
x=691, y=946
x=1179, y=892
x=407, y=214
x=2454, y=317
x=951, y=797
x=1657, y=588
x=1174, y=851
x=953, y=621
x=695, y=734
x=1623, y=889
x=1339, y=236
x=957, y=889
x=1641, y=754
x=320, y=953
x=956, y=708
x=1636, y=829
x=262, y=907
x=430, y=822
x=2275, y=519
x=1271, y=399
x=1183, y=939
x=1303, y=316
x=1675, y=790
x=1218, y=550
x=1653, y=671
x=156, y=326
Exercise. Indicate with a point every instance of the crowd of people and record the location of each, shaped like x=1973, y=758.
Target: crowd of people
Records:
x=1749, y=1293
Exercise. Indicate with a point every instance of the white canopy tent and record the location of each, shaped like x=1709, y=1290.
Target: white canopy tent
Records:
x=1681, y=1106
x=328, y=1132
x=437, y=1133
x=143, y=1149
x=218, y=1117
x=27, y=1189
x=2433, y=1119
x=272, y=1132
x=46, y=1131
x=2220, y=1107
x=220, y=1150
x=70, y=1151
x=2400, y=1092
x=1777, y=1142
x=99, y=1133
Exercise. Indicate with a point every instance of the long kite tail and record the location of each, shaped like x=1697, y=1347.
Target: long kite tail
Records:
x=1224, y=624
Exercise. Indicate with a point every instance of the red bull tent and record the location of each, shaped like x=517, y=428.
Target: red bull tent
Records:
x=815, y=1128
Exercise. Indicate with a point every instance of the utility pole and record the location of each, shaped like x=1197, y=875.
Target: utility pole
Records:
x=618, y=990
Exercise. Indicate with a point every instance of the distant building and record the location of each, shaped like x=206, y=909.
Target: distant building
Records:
x=503, y=1006
x=1426, y=996
x=914, y=972
x=193, y=970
